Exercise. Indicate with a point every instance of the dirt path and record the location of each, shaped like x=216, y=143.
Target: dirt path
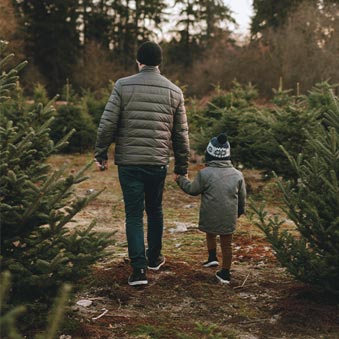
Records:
x=184, y=300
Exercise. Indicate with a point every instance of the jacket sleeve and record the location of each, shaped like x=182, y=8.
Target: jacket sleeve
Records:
x=241, y=197
x=194, y=187
x=108, y=123
x=180, y=140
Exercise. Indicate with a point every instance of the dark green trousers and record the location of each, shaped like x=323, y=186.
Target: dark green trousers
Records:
x=142, y=188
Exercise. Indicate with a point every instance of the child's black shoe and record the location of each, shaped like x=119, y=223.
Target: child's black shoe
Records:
x=224, y=276
x=211, y=263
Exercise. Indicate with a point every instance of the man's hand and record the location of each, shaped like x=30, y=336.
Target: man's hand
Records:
x=176, y=176
x=101, y=165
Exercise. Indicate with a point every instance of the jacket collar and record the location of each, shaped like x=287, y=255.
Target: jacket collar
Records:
x=219, y=163
x=150, y=69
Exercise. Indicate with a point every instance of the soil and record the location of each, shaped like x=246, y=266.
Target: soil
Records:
x=183, y=300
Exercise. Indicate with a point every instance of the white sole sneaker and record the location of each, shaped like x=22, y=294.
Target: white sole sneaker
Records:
x=138, y=282
x=211, y=264
x=156, y=268
x=138, y=277
x=223, y=281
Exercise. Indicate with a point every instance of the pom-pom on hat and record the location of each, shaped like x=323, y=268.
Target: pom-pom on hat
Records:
x=218, y=148
x=150, y=54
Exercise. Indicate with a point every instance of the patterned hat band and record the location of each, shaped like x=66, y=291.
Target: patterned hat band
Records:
x=219, y=152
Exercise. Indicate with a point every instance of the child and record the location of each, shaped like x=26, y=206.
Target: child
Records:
x=223, y=197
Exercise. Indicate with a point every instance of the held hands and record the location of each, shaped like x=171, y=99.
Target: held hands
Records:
x=176, y=176
x=101, y=165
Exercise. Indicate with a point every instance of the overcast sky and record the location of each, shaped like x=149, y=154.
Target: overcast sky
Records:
x=242, y=12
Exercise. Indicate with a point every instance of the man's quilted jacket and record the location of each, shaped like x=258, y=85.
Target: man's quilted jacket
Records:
x=145, y=116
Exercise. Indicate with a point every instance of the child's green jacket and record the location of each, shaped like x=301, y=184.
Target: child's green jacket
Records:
x=223, y=196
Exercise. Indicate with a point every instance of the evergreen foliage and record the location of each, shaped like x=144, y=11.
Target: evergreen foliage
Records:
x=8, y=79
x=226, y=111
x=51, y=37
x=74, y=117
x=235, y=113
x=320, y=97
x=282, y=97
x=55, y=30
x=93, y=42
x=274, y=14
x=271, y=14
x=95, y=102
x=311, y=255
x=290, y=127
x=40, y=94
x=10, y=316
x=256, y=133
x=39, y=247
x=198, y=24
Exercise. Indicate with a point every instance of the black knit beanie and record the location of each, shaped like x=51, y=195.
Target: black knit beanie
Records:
x=218, y=148
x=150, y=54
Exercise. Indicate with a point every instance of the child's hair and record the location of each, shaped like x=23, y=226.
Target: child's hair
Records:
x=218, y=148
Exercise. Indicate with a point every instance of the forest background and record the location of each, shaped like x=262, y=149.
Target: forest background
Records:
x=90, y=43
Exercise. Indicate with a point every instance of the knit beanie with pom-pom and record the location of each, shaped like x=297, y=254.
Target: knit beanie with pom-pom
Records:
x=218, y=148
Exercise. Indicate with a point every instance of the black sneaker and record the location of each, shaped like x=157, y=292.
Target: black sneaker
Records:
x=156, y=264
x=138, y=277
x=224, y=276
x=211, y=263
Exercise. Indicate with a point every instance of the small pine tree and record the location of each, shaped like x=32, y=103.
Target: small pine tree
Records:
x=95, y=102
x=226, y=111
x=9, y=317
x=38, y=246
x=320, y=96
x=288, y=126
x=313, y=205
x=74, y=117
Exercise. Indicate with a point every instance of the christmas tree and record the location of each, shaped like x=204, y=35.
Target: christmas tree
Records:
x=312, y=253
x=38, y=246
x=9, y=316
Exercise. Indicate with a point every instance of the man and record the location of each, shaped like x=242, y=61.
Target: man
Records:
x=145, y=115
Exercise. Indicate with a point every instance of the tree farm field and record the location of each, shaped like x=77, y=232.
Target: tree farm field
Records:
x=183, y=300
